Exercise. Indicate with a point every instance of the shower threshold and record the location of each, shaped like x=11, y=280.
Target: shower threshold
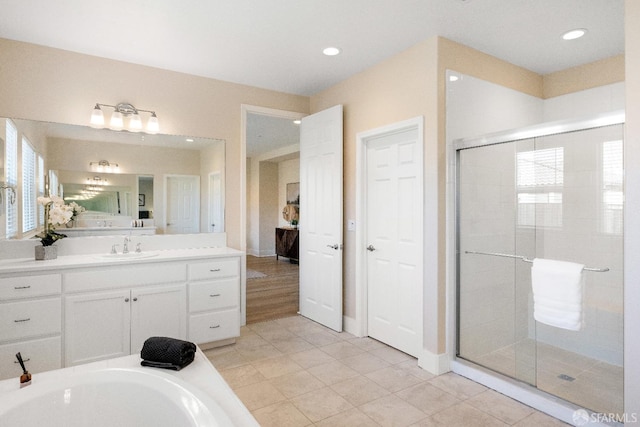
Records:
x=525, y=393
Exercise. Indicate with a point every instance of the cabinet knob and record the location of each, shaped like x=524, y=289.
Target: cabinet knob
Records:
x=126, y=300
x=215, y=270
x=214, y=295
x=214, y=327
x=135, y=299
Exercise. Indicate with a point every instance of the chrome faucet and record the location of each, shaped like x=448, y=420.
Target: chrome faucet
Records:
x=125, y=248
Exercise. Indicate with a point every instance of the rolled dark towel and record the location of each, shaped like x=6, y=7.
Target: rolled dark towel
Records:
x=167, y=353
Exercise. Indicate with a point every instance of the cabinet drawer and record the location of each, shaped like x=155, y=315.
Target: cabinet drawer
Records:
x=25, y=319
x=223, y=293
x=30, y=286
x=225, y=267
x=124, y=276
x=216, y=326
x=38, y=355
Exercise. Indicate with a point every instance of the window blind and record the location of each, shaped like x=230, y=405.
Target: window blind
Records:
x=29, y=209
x=41, y=173
x=540, y=178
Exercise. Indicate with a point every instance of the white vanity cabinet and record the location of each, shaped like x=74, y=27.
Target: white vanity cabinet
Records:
x=105, y=324
x=214, y=300
x=82, y=308
x=30, y=323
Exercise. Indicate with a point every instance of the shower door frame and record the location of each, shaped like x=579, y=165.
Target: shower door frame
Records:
x=504, y=384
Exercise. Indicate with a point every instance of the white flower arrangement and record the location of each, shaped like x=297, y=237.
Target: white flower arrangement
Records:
x=76, y=209
x=56, y=214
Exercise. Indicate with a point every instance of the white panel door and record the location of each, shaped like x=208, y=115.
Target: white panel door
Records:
x=216, y=203
x=183, y=204
x=321, y=217
x=394, y=239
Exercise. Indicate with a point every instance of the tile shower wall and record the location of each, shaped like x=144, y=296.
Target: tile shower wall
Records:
x=589, y=235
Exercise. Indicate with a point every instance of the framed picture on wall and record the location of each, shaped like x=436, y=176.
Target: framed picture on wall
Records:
x=293, y=193
x=140, y=199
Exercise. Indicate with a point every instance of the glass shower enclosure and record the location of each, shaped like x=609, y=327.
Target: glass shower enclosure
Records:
x=553, y=193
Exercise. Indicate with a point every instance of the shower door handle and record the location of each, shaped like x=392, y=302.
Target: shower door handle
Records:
x=370, y=248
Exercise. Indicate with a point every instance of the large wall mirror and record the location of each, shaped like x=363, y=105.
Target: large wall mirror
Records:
x=120, y=177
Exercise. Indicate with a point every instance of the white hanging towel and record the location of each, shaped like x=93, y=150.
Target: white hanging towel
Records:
x=558, y=289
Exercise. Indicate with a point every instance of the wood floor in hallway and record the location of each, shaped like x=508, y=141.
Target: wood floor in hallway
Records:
x=274, y=296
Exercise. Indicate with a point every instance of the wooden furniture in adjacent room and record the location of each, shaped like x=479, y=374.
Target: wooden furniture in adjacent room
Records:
x=287, y=243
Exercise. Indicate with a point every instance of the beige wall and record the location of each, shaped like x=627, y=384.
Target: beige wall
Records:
x=54, y=85
x=269, y=209
x=599, y=73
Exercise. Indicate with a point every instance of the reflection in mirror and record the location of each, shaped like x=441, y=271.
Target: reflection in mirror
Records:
x=82, y=159
x=106, y=193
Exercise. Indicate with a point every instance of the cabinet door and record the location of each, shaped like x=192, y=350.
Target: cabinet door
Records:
x=158, y=311
x=97, y=326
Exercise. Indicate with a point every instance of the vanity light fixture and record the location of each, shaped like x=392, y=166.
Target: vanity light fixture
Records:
x=122, y=110
x=574, y=34
x=96, y=180
x=104, y=166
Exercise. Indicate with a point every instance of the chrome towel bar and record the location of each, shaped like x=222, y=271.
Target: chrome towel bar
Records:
x=525, y=259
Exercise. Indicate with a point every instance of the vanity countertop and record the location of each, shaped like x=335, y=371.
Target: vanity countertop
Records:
x=27, y=265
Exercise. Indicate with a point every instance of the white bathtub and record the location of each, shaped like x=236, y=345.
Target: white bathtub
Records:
x=120, y=393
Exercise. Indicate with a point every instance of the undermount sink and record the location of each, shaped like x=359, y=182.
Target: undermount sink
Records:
x=130, y=255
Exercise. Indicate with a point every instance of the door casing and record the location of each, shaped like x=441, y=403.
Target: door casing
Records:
x=360, y=326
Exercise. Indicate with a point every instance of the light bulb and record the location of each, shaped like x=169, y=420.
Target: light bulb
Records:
x=116, y=120
x=97, y=117
x=135, y=123
x=152, y=125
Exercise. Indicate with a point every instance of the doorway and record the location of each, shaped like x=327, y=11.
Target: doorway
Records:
x=271, y=149
x=389, y=235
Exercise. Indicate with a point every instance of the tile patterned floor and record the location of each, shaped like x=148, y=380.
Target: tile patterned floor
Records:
x=293, y=372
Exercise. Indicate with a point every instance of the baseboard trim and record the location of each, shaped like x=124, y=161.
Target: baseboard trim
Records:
x=436, y=364
x=350, y=325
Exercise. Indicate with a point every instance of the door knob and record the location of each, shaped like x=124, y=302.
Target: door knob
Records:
x=370, y=248
x=336, y=246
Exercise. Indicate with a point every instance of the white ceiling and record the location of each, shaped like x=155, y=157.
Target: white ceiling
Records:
x=266, y=134
x=276, y=44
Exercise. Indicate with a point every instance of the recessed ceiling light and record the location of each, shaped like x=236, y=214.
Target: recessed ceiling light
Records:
x=189, y=139
x=574, y=34
x=331, y=51
x=453, y=78
x=297, y=122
